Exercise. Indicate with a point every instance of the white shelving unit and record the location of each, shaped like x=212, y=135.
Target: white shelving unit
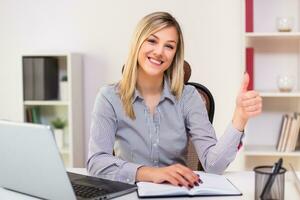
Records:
x=280, y=94
x=46, y=103
x=275, y=53
x=270, y=35
x=264, y=150
x=70, y=65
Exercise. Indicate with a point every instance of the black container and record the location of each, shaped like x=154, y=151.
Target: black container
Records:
x=262, y=174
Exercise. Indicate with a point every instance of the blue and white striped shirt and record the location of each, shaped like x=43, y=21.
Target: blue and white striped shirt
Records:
x=154, y=140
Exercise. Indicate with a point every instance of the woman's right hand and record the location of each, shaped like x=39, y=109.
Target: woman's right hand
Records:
x=176, y=174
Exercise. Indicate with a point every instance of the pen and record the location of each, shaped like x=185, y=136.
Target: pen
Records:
x=275, y=170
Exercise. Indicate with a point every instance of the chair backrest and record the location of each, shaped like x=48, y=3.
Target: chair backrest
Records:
x=192, y=157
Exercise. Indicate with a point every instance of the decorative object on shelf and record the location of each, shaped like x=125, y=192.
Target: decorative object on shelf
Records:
x=63, y=88
x=285, y=83
x=284, y=24
x=59, y=125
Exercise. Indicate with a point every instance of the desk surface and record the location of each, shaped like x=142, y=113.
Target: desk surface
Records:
x=243, y=180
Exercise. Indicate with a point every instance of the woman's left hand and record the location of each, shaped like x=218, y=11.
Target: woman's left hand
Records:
x=248, y=104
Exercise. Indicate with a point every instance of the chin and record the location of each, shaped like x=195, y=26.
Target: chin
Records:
x=155, y=73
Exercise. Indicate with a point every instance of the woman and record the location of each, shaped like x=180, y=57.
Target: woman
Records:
x=148, y=116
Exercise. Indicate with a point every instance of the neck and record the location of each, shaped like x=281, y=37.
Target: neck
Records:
x=149, y=85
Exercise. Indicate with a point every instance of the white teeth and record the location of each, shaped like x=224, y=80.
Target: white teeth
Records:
x=158, y=62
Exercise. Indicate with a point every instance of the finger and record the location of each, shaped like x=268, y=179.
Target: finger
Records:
x=180, y=179
x=251, y=102
x=187, y=172
x=253, y=114
x=172, y=180
x=253, y=108
x=250, y=94
x=188, y=176
x=245, y=83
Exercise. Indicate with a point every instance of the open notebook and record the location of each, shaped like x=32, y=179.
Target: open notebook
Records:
x=213, y=185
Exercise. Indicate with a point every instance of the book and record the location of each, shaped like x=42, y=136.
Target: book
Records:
x=286, y=133
x=28, y=115
x=36, y=117
x=292, y=134
x=250, y=67
x=282, y=131
x=28, y=82
x=249, y=15
x=213, y=185
x=296, y=133
x=45, y=78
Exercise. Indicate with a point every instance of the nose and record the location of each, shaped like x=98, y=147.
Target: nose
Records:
x=158, y=50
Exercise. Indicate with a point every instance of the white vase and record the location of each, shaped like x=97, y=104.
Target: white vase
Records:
x=63, y=90
x=59, y=138
x=284, y=24
x=285, y=83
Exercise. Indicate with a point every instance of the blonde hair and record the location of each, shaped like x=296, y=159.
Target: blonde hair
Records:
x=175, y=73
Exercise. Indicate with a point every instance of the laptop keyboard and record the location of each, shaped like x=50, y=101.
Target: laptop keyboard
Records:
x=88, y=191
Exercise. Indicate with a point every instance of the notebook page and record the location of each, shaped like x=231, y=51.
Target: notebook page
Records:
x=154, y=189
x=213, y=184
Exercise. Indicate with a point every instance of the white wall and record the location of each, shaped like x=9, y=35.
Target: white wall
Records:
x=102, y=29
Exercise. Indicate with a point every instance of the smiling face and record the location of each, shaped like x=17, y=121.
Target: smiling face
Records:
x=157, y=52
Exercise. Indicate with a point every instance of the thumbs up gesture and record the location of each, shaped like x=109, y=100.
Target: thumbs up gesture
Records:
x=248, y=104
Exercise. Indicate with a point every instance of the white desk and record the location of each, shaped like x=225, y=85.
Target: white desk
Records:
x=243, y=180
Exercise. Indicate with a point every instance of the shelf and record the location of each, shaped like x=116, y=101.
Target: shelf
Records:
x=269, y=54
x=267, y=151
x=48, y=54
x=274, y=35
x=46, y=103
x=70, y=108
x=280, y=94
x=64, y=150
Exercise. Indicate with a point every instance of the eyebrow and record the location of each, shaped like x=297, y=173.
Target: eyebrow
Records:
x=167, y=41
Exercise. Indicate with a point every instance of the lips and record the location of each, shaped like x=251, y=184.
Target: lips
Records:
x=155, y=61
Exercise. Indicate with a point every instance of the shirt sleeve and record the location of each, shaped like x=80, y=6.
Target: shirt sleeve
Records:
x=214, y=155
x=101, y=161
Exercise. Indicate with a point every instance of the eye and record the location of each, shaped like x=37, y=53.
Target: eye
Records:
x=151, y=41
x=169, y=46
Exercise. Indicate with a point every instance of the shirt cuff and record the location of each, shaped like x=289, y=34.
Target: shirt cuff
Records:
x=236, y=134
x=127, y=172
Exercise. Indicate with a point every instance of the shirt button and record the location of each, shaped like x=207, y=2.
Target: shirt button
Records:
x=128, y=180
x=155, y=144
x=155, y=161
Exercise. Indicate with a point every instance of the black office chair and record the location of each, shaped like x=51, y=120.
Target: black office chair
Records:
x=192, y=157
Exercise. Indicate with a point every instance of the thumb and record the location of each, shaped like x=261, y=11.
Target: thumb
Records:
x=245, y=83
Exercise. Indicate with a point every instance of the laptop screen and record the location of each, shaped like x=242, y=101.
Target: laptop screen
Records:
x=31, y=163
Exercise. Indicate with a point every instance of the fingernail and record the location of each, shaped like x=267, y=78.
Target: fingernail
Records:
x=179, y=185
x=196, y=184
x=200, y=181
x=190, y=186
x=198, y=175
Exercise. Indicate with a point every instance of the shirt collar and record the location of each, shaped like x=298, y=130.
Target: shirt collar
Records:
x=136, y=95
x=166, y=92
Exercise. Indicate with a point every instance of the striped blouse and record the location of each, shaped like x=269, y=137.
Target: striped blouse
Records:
x=158, y=139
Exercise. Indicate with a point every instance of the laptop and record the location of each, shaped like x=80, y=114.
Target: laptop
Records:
x=31, y=164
